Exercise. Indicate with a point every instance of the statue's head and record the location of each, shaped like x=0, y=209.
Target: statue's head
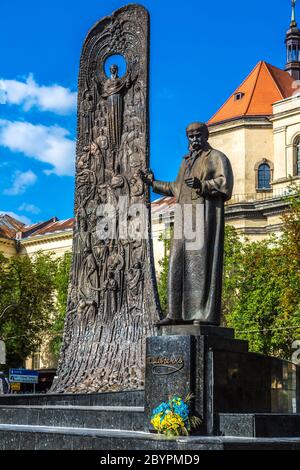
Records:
x=197, y=134
x=114, y=70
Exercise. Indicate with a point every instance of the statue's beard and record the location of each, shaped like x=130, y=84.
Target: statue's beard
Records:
x=195, y=146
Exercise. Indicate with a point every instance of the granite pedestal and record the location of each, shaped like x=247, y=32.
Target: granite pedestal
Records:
x=220, y=372
x=246, y=401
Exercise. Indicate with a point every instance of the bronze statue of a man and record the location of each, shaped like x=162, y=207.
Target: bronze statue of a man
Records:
x=195, y=275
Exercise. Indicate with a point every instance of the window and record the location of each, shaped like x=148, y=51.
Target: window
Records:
x=36, y=361
x=297, y=158
x=264, y=170
x=264, y=176
x=238, y=96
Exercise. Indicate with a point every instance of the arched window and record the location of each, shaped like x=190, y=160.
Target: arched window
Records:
x=264, y=176
x=297, y=157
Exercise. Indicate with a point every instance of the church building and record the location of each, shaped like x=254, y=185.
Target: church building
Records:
x=258, y=127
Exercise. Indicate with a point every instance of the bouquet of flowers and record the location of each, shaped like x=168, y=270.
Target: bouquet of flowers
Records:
x=173, y=417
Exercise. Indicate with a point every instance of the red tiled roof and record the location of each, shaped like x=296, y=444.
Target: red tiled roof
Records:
x=264, y=86
x=57, y=226
x=11, y=227
x=162, y=205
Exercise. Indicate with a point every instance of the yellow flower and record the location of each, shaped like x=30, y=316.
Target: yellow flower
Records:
x=172, y=421
x=156, y=422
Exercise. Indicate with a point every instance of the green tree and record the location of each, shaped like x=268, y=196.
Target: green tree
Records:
x=162, y=284
x=261, y=286
x=27, y=304
x=261, y=295
x=61, y=284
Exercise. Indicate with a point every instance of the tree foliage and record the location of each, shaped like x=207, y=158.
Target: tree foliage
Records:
x=261, y=295
x=61, y=280
x=162, y=284
x=261, y=286
x=27, y=303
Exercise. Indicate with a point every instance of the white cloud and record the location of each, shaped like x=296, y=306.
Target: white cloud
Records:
x=29, y=208
x=21, y=218
x=47, y=144
x=21, y=182
x=29, y=94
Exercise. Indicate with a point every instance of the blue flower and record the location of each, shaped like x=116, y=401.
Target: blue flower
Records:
x=182, y=409
x=184, y=413
x=162, y=408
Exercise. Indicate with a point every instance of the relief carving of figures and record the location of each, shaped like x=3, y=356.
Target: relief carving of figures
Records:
x=80, y=242
x=100, y=251
x=102, y=141
x=96, y=130
x=138, y=101
x=82, y=232
x=110, y=287
x=116, y=264
x=113, y=89
x=112, y=301
x=88, y=277
x=134, y=283
x=86, y=177
x=97, y=163
x=83, y=306
x=136, y=187
x=83, y=160
x=135, y=159
x=86, y=108
x=124, y=149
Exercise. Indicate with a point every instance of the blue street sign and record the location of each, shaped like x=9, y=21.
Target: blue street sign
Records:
x=23, y=376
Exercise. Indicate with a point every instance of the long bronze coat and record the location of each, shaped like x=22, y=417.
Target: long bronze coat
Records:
x=195, y=276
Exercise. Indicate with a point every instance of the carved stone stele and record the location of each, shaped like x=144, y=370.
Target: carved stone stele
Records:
x=112, y=301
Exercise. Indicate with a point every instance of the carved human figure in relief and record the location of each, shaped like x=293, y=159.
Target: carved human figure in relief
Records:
x=102, y=141
x=110, y=286
x=134, y=278
x=136, y=186
x=86, y=107
x=88, y=276
x=135, y=159
x=113, y=89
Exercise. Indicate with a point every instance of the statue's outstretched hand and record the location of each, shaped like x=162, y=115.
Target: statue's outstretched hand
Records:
x=193, y=183
x=147, y=177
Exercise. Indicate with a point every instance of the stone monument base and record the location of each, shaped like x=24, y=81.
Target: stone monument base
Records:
x=117, y=421
x=197, y=330
x=246, y=401
x=222, y=375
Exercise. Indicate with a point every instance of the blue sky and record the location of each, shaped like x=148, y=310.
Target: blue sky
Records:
x=200, y=52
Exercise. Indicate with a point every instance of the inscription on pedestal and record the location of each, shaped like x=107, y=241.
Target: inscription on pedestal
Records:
x=165, y=365
x=174, y=366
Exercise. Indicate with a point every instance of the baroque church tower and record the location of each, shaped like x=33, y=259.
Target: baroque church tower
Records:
x=293, y=46
x=258, y=127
